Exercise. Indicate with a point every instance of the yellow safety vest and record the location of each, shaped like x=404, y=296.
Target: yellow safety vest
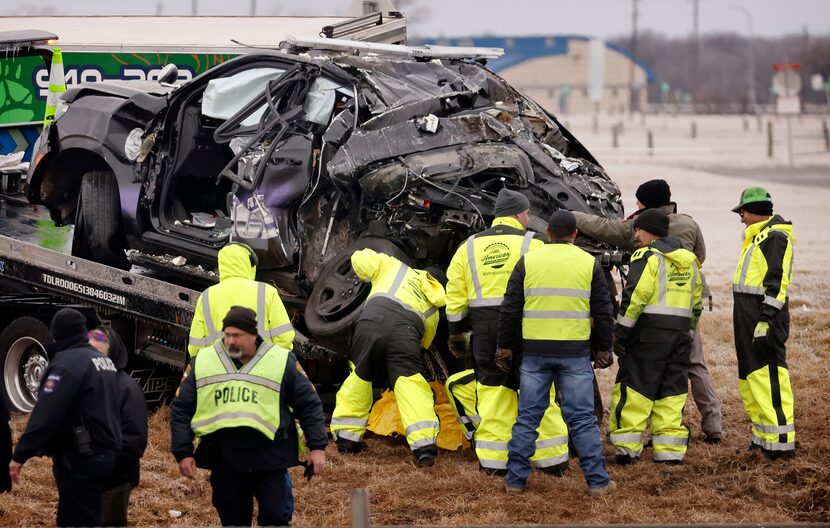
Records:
x=247, y=397
x=558, y=305
x=479, y=270
x=753, y=266
x=414, y=290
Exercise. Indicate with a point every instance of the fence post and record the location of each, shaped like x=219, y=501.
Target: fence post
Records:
x=650, y=139
x=769, y=139
x=360, y=508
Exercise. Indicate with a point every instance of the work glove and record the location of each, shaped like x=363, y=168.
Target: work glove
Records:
x=619, y=346
x=759, y=336
x=603, y=359
x=308, y=472
x=504, y=357
x=457, y=344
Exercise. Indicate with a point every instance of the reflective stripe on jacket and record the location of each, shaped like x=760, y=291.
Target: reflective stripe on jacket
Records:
x=415, y=290
x=237, y=287
x=766, y=264
x=558, y=305
x=247, y=397
x=479, y=270
x=664, y=287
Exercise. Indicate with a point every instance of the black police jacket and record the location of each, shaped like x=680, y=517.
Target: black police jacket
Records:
x=244, y=449
x=78, y=389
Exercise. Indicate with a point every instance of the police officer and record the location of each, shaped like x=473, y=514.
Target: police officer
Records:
x=476, y=280
x=241, y=399
x=127, y=470
x=237, y=287
x=76, y=421
x=399, y=320
x=660, y=307
x=552, y=297
x=656, y=194
x=761, y=319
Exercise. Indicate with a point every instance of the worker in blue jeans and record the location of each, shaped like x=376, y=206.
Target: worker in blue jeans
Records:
x=552, y=297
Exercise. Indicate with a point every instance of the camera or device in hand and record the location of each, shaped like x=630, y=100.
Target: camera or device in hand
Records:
x=83, y=440
x=610, y=259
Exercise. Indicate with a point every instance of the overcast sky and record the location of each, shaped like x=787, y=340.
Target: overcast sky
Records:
x=448, y=18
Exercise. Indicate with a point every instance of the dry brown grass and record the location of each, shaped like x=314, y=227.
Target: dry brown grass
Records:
x=724, y=483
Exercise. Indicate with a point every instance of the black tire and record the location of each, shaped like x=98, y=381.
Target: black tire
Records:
x=24, y=359
x=337, y=297
x=99, y=234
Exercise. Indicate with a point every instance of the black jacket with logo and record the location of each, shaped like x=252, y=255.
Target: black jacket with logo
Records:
x=78, y=389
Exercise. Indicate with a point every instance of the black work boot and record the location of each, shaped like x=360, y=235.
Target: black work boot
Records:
x=425, y=456
x=557, y=470
x=349, y=446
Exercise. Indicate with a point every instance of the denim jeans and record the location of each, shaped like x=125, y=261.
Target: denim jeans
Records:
x=574, y=380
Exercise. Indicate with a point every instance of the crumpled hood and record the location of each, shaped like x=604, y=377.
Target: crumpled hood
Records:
x=775, y=222
x=432, y=289
x=235, y=261
x=673, y=251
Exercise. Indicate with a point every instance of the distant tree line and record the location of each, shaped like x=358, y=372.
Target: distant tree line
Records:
x=724, y=65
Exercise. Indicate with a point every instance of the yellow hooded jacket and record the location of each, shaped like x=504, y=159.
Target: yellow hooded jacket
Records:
x=237, y=287
x=416, y=290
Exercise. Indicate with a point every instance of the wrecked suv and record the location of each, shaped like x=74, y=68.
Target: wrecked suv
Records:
x=306, y=155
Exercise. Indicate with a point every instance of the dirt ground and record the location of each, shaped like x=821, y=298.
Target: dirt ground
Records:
x=717, y=484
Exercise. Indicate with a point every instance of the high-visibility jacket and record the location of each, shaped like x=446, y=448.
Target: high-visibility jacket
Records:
x=558, y=305
x=479, y=270
x=415, y=290
x=760, y=284
x=237, y=287
x=766, y=269
x=663, y=290
x=246, y=397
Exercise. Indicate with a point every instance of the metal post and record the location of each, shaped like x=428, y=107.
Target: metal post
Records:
x=693, y=130
x=750, y=80
x=614, y=136
x=633, y=102
x=360, y=508
x=826, y=133
x=769, y=139
x=650, y=140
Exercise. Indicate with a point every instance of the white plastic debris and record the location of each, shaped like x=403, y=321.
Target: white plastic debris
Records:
x=175, y=514
x=428, y=123
x=179, y=261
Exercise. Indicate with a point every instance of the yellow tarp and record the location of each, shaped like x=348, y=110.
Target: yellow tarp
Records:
x=386, y=420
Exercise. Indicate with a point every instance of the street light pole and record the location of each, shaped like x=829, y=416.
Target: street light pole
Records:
x=751, y=46
x=633, y=96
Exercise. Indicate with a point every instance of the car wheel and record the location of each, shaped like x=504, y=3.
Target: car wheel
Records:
x=23, y=356
x=98, y=233
x=337, y=297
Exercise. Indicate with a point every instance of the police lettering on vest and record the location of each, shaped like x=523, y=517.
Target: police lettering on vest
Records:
x=234, y=395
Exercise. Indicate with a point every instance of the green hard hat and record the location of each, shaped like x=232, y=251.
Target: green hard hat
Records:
x=752, y=195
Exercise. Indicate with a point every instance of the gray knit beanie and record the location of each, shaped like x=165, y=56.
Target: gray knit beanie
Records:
x=509, y=203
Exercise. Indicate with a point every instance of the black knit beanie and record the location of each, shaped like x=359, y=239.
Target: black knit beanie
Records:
x=67, y=322
x=509, y=203
x=654, y=193
x=654, y=221
x=242, y=318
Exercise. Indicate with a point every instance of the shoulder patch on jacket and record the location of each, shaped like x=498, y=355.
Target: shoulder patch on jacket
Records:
x=51, y=383
x=639, y=253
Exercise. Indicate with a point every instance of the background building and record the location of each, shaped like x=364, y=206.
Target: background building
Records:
x=556, y=71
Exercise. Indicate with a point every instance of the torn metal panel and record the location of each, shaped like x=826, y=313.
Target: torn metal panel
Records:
x=366, y=147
